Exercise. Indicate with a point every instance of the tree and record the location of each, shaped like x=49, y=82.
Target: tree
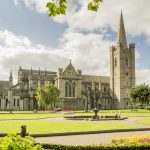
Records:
x=47, y=95
x=92, y=96
x=57, y=7
x=140, y=94
x=86, y=93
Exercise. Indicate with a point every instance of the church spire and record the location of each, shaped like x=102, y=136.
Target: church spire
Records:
x=10, y=79
x=121, y=33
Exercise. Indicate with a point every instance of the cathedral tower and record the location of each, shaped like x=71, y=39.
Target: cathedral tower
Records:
x=122, y=69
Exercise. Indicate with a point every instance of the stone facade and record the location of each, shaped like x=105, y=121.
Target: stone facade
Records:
x=77, y=91
x=122, y=69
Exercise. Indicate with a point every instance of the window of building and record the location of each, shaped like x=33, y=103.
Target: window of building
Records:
x=127, y=74
x=69, y=74
x=74, y=86
x=34, y=85
x=14, y=102
x=66, y=89
x=18, y=102
x=126, y=62
x=115, y=62
x=104, y=89
x=70, y=89
x=127, y=103
x=6, y=102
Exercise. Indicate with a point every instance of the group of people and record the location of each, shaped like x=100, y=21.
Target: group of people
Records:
x=117, y=116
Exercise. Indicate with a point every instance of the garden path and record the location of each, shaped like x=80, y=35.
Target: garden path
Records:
x=88, y=139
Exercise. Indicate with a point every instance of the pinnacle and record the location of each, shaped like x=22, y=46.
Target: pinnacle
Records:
x=121, y=33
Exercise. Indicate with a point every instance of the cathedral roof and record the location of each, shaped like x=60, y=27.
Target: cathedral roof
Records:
x=35, y=74
x=37, y=71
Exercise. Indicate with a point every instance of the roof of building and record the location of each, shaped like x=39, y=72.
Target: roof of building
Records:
x=93, y=78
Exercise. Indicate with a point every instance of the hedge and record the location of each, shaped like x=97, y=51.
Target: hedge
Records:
x=97, y=147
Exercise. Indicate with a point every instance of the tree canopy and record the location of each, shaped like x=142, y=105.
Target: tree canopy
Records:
x=47, y=95
x=58, y=7
x=140, y=94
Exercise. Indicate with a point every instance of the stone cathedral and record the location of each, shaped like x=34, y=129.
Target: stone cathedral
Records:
x=72, y=83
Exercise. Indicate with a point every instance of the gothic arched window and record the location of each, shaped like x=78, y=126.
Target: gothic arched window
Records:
x=6, y=102
x=70, y=89
x=66, y=89
x=14, y=102
x=126, y=62
x=17, y=102
x=115, y=62
x=74, y=86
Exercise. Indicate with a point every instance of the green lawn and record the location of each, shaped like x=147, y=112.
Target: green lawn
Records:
x=30, y=115
x=144, y=121
x=127, y=113
x=43, y=126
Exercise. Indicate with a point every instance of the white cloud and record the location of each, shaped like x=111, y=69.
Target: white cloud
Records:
x=35, y=5
x=88, y=52
x=143, y=76
x=78, y=18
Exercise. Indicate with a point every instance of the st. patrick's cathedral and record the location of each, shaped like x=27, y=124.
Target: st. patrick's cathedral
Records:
x=73, y=84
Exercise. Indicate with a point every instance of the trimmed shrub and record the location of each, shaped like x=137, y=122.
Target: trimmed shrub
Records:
x=16, y=142
x=97, y=147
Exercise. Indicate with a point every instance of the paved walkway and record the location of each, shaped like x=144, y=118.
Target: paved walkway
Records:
x=87, y=139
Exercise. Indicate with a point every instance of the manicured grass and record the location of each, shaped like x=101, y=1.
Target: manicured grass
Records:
x=29, y=115
x=127, y=113
x=144, y=121
x=43, y=126
x=45, y=114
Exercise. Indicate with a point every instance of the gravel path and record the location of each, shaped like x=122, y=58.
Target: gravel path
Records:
x=87, y=139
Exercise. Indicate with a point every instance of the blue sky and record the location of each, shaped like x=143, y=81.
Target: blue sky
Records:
x=28, y=37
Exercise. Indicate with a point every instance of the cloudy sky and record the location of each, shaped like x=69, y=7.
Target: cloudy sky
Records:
x=29, y=38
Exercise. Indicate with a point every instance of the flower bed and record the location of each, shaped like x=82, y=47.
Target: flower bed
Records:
x=132, y=139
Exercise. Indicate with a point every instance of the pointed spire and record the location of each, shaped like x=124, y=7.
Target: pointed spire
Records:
x=20, y=68
x=70, y=61
x=10, y=74
x=10, y=79
x=121, y=33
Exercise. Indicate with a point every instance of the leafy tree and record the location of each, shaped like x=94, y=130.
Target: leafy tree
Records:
x=57, y=7
x=86, y=93
x=140, y=94
x=94, y=96
x=91, y=95
x=47, y=95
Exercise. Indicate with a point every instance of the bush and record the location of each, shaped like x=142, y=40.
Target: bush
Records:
x=16, y=142
x=97, y=147
x=132, y=139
